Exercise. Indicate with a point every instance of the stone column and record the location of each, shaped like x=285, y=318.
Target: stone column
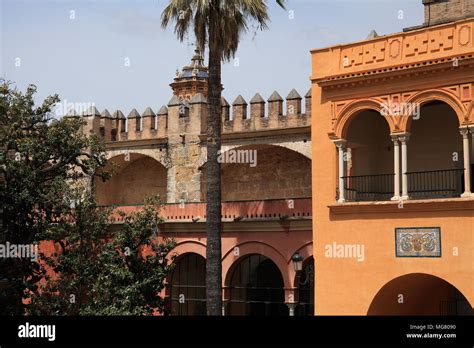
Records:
x=396, y=166
x=404, y=140
x=341, y=147
x=291, y=309
x=467, y=161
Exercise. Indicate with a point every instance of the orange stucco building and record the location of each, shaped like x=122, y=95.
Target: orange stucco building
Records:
x=393, y=208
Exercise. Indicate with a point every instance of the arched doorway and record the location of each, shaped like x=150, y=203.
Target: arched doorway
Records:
x=256, y=288
x=419, y=294
x=186, y=291
x=305, y=284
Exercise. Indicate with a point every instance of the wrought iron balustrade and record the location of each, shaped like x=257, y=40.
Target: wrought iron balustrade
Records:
x=377, y=187
x=444, y=183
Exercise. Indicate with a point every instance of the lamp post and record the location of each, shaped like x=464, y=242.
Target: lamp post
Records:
x=297, y=262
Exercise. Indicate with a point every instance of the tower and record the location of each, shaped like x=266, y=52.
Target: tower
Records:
x=442, y=11
x=192, y=79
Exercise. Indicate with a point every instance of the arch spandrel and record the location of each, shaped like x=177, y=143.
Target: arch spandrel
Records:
x=424, y=97
x=230, y=259
x=351, y=110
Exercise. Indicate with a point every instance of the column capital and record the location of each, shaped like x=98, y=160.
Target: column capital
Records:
x=464, y=130
x=395, y=137
x=341, y=143
x=404, y=137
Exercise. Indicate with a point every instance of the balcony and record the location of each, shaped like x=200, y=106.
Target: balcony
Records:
x=444, y=183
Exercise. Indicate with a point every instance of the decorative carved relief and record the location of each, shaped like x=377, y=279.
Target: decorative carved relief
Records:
x=464, y=35
x=415, y=45
x=395, y=47
x=431, y=43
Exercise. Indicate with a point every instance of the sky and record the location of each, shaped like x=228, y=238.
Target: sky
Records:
x=114, y=53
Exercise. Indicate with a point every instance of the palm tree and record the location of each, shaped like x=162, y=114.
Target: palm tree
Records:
x=218, y=24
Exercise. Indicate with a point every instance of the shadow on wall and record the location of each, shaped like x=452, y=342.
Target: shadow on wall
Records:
x=132, y=181
x=419, y=294
x=278, y=173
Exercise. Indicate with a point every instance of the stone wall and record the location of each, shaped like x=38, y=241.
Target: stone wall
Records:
x=441, y=11
x=132, y=182
x=279, y=173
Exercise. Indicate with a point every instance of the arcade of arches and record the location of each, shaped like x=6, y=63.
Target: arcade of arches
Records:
x=279, y=173
x=254, y=286
x=427, y=160
x=269, y=207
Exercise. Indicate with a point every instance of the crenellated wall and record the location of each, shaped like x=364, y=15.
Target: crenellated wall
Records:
x=265, y=115
x=176, y=135
x=182, y=117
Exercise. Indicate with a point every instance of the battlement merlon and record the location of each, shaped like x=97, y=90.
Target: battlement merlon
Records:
x=187, y=119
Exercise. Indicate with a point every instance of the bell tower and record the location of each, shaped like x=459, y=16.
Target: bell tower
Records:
x=192, y=79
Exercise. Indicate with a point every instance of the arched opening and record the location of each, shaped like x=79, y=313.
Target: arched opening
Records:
x=276, y=173
x=134, y=178
x=305, y=283
x=256, y=288
x=369, y=158
x=419, y=294
x=186, y=290
x=435, y=153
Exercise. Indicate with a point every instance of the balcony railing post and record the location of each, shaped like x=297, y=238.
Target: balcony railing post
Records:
x=404, y=140
x=467, y=161
x=341, y=146
x=396, y=166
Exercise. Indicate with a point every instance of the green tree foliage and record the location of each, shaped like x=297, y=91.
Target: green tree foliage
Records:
x=115, y=273
x=47, y=170
x=39, y=157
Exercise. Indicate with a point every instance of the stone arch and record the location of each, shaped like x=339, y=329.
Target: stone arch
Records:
x=306, y=251
x=230, y=260
x=414, y=287
x=189, y=246
x=431, y=95
x=134, y=176
x=186, y=285
x=290, y=174
x=159, y=155
x=255, y=286
x=295, y=146
x=350, y=111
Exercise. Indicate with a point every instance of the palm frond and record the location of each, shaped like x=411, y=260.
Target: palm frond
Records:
x=233, y=18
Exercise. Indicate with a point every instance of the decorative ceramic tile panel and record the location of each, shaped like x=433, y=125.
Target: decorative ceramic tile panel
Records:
x=418, y=242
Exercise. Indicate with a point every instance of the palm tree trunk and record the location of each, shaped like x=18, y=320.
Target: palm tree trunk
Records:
x=213, y=210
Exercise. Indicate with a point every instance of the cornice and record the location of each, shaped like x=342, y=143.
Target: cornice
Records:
x=409, y=206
